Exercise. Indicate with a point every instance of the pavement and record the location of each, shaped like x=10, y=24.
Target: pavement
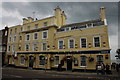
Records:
x=19, y=73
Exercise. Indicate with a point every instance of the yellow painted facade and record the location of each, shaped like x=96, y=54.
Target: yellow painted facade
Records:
x=48, y=42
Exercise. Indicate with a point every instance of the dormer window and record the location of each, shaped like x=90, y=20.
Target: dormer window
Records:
x=45, y=24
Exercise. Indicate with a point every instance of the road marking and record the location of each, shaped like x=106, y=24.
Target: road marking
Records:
x=13, y=76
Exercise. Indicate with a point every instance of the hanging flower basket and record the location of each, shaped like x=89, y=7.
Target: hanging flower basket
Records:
x=26, y=58
x=9, y=55
x=15, y=57
x=91, y=59
x=64, y=58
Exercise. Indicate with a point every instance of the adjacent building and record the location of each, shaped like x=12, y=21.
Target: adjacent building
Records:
x=3, y=44
x=48, y=42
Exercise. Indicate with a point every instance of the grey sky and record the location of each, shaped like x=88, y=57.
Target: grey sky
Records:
x=13, y=12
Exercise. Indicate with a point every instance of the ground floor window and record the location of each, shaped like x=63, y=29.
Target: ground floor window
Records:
x=100, y=59
x=42, y=60
x=22, y=60
x=83, y=61
x=56, y=60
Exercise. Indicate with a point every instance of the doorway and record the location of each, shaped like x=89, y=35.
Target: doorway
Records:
x=31, y=61
x=69, y=64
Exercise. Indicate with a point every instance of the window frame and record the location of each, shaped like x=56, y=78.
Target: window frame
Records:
x=69, y=44
x=34, y=36
x=26, y=37
x=42, y=46
x=40, y=61
x=94, y=41
x=81, y=42
x=43, y=35
x=59, y=44
x=22, y=61
x=56, y=61
x=26, y=47
x=82, y=61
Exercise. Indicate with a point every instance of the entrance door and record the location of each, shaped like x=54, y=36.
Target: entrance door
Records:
x=31, y=61
x=69, y=64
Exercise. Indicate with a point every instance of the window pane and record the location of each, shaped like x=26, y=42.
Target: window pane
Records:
x=83, y=42
x=60, y=44
x=100, y=59
x=44, y=46
x=35, y=36
x=83, y=60
x=96, y=41
x=71, y=43
x=22, y=60
x=56, y=60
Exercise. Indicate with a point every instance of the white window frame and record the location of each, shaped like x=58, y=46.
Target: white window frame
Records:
x=85, y=61
x=42, y=45
x=34, y=36
x=42, y=34
x=59, y=44
x=94, y=41
x=26, y=37
x=56, y=61
x=81, y=42
x=21, y=61
x=69, y=44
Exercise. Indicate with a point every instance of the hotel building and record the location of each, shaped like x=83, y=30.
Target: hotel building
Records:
x=49, y=42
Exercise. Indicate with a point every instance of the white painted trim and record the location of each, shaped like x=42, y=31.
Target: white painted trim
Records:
x=42, y=34
x=69, y=44
x=105, y=21
x=80, y=41
x=94, y=43
x=58, y=43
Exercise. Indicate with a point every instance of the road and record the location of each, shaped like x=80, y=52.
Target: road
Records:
x=18, y=73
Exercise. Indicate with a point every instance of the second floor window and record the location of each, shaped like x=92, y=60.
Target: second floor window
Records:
x=35, y=35
x=96, y=41
x=71, y=43
x=27, y=37
x=60, y=44
x=83, y=42
x=44, y=35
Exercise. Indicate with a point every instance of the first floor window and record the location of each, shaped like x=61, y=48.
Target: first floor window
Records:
x=83, y=61
x=83, y=42
x=22, y=60
x=27, y=47
x=20, y=37
x=42, y=60
x=71, y=43
x=60, y=44
x=100, y=59
x=27, y=37
x=97, y=41
x=56, y=60
x=44, y=35
x=35, y=47
x=44, y=46
x=35, y=35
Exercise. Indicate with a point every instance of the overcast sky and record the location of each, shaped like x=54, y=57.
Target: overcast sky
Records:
x=13, y=12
